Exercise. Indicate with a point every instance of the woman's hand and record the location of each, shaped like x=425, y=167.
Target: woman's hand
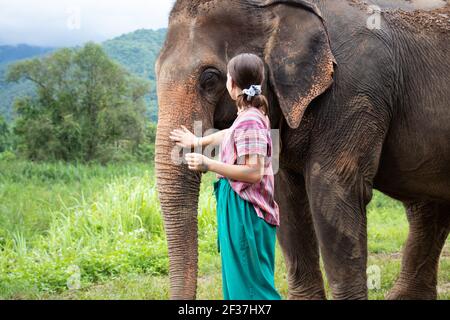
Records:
x=198, y=162
x=184, y=138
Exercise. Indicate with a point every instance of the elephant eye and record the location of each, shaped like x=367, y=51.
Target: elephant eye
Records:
x=210, y=79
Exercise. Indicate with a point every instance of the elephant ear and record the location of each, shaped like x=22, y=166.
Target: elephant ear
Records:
x=298, y=53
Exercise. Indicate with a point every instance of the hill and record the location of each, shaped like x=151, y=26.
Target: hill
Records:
x=8, y=91
x=19, y=52
x=136, y=51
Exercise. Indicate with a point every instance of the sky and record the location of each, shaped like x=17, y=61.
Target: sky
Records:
x=58, y=23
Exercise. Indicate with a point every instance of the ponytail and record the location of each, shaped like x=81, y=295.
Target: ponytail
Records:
x=260, y=102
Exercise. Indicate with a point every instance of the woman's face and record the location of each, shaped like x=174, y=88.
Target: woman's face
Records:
x=232, y=88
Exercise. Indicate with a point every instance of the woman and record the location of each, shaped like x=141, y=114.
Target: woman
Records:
x=247, y=214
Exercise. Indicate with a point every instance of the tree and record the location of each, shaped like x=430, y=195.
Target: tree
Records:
x=5, y=141
x=146, y=150
x=87, y=106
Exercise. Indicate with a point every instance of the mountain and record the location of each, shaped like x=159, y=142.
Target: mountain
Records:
x=136, y=51
x=9, y=91
x=21, y=51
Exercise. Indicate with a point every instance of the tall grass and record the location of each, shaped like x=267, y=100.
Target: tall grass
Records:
x=104, y=220
x=71, y=226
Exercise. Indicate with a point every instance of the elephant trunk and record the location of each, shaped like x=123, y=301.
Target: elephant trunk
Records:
x=178, y=191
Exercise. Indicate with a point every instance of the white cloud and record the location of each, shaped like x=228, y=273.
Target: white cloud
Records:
x=57, y=23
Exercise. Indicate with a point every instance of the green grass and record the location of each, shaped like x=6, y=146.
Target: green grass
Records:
x=56, y=219
x=93, y=232
x=387, y=225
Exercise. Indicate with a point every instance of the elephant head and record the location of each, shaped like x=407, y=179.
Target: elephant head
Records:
x=203, y=35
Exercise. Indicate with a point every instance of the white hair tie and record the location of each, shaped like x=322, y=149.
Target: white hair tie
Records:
x=254, y=90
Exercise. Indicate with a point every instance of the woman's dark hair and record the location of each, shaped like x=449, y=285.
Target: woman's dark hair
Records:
x=247, y=69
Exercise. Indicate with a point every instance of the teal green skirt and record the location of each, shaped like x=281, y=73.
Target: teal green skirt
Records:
x=246, y=244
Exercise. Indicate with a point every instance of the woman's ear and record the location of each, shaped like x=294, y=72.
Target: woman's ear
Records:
x=298, y=53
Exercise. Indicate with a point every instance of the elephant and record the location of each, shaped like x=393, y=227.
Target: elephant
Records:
x=359, y=93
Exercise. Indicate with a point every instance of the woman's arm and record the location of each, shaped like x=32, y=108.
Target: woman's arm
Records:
x=186, y=139
x=211, y=140
x=252, y=171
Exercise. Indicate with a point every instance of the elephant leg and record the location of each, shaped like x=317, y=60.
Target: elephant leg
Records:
x=429, y=229
x=338, y=206
x=343, y=158
x=297, y=238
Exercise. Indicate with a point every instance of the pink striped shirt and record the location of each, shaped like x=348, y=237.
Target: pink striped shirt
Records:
x=250, y=134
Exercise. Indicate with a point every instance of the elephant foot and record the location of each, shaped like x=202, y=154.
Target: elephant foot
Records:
x=316, y=293
x=400, y=292
x=306, y=297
